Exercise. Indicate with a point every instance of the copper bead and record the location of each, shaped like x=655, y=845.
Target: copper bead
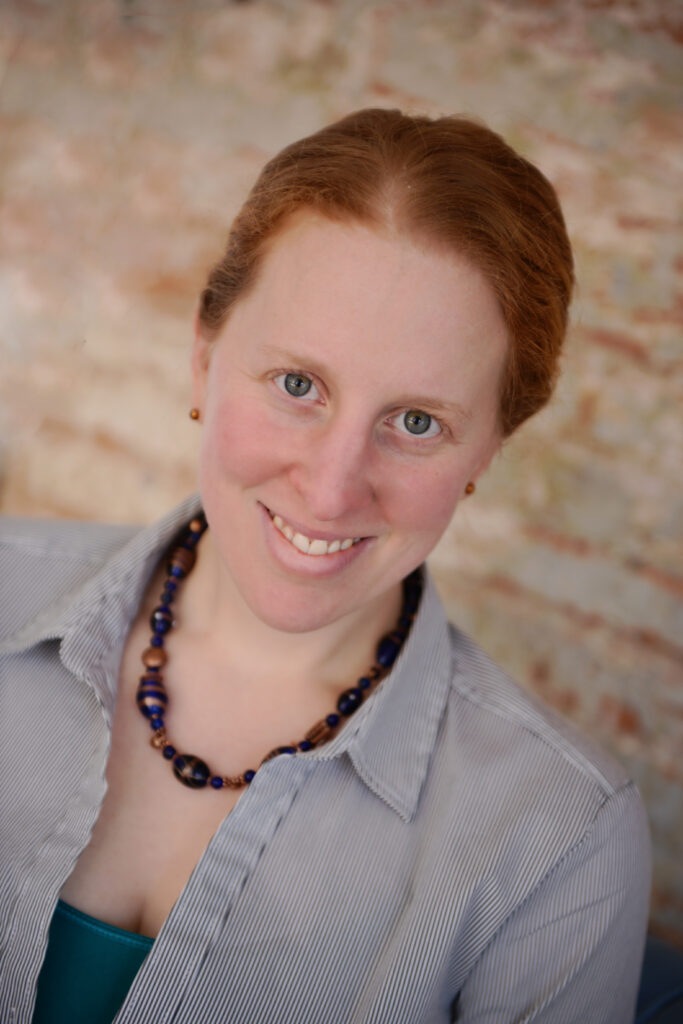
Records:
x=154, y=657
x=320, y=732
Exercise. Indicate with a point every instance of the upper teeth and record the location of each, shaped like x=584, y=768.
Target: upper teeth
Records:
x=312, y=547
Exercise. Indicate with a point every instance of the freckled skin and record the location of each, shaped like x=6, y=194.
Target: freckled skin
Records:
x=381, y=327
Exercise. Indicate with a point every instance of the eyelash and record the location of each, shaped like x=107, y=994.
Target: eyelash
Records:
x=280, y=378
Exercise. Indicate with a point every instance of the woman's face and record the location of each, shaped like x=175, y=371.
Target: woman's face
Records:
x=350, y=397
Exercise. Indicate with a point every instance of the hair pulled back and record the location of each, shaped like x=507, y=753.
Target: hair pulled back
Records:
x=447, y=181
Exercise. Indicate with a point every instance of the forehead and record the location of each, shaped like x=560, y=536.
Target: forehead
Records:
x=313, y=260
x=396, y=307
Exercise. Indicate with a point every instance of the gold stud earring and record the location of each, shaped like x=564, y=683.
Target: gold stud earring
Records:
x=470, y=488
x=194, y=413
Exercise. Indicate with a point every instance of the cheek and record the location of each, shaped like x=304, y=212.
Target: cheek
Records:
x=425, y=501
x=238, y=443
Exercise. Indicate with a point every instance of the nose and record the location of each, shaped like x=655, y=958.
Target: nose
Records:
x=333, y=473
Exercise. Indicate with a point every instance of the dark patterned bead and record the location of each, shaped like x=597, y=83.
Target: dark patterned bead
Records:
x=151, y=677
x=151, y=698
x=161, y=619
x=169, y=752
x=191, y=770
x=349, y=701
x=387, y=651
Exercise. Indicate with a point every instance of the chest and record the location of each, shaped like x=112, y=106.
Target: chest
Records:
x=151, y=830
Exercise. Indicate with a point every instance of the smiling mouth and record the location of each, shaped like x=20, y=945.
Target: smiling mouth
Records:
x=311, y=545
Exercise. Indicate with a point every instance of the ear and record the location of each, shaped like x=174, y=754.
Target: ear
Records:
x=201, y=357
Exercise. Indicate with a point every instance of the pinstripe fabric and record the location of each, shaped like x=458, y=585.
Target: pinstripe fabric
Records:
x=455, y=853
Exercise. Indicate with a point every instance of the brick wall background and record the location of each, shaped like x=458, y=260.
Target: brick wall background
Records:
x=130, y=132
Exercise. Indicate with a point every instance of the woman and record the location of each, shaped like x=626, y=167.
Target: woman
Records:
x=375, y=823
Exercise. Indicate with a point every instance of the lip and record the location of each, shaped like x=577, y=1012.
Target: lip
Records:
x=307, y=532
x=293, y=560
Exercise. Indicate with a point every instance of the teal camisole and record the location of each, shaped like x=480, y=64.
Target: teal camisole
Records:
x=88, y=968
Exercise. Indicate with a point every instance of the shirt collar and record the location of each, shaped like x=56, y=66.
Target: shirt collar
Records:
x=389, y=740
x=92, y=619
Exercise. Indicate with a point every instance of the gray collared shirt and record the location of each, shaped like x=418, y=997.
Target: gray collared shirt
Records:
x=456, y=852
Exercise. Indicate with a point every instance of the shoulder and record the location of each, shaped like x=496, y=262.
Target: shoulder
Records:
x=42, y=560
x=531, y=801
x=530, y=732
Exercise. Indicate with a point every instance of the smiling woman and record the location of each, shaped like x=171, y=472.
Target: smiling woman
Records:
x=386, y=828
x=385, y=333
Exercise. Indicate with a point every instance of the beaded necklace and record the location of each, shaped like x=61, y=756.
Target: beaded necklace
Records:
x=152, y=698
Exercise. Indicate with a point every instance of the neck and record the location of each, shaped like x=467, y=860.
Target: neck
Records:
x=215, y=614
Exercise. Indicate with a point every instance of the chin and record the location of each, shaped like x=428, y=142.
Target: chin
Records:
x=294, y=613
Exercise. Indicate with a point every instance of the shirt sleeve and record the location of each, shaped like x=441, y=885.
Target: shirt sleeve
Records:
x=572, y=951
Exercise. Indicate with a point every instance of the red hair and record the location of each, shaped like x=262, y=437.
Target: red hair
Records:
x=448, y=181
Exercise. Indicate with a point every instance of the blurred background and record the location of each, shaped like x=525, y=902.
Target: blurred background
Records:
x=130, y=131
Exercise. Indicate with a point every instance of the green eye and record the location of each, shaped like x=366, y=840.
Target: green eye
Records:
x=417, y=422
x=297, y=385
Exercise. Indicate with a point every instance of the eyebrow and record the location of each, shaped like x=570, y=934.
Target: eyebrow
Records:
x=438, y=405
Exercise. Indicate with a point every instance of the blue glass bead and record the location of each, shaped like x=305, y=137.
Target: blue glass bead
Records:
x=349, y=701
x=167, y=596
x=169, y=752
x=177, y=571
x=191, y=770
x=217, y=782
x=364, y=683
x=249, y=775
x=151, y=699
x=305, y=745
x=387, y=651
x=332, y=720
x=405, y=621
x=156, y=722
x=286, y=750
x=157, y=640
x=170, y=585
x=161, y=619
